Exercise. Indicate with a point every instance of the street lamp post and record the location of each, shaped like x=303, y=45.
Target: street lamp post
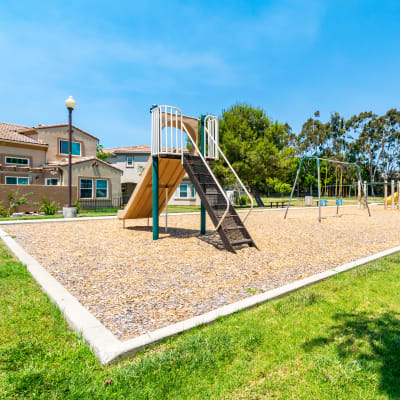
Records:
x=70, y=103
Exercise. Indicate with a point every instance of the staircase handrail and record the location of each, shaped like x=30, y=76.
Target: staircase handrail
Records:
x=231, y=168
x=211, y=173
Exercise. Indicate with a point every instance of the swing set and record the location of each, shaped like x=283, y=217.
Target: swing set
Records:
x=339, y=167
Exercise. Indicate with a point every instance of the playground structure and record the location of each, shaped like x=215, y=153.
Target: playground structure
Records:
x=170, y=160
x=340, y=166
x=394, y=195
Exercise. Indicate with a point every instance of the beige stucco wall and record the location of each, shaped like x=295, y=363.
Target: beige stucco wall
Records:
x=37, y=156
x=53, y=134
x=88, y=170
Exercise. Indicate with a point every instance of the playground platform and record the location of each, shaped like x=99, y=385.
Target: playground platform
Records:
x=133, y=284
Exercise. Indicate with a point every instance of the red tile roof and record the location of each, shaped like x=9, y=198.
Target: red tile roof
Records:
x=12, y=132
x=129, y=149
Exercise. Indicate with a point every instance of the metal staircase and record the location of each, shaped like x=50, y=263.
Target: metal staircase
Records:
x=231, y=229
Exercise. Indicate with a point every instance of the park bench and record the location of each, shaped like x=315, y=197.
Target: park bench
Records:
x=277, y=204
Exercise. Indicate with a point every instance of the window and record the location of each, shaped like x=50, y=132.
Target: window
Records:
x=183, y=191
x=85, y=188
x=129, y=161
x=17, y=180
x=75, y=148
x=51, y=181
x=101, y=188
x=17, y=161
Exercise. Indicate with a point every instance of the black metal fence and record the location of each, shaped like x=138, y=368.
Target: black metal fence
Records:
x=115, y=202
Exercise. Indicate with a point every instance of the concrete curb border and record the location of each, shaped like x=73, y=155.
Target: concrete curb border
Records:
x=108, y=348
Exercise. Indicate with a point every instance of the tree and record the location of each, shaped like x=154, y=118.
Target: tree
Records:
x=324, y=139
x=376, y=144
x=338, y=137
x=101, y=154
x=313, y=137
x=391, y=156
x=257, y=148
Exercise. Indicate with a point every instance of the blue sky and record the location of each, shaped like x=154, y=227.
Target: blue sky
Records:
x=117, y=58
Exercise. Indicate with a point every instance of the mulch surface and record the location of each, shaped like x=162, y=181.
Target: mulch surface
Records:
x=133, y=284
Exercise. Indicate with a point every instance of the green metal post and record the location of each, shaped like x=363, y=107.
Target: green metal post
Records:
x=203, y=152
x=155, y=197
x=319, y=190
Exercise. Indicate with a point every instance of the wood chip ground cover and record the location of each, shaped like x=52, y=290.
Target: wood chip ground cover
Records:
x=133, y=284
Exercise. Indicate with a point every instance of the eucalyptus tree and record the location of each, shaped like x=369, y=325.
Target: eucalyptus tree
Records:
x=313, y=137
x=391, y=156
x=376, y=143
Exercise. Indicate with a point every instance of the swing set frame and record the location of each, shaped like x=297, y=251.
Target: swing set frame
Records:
x=341, y=165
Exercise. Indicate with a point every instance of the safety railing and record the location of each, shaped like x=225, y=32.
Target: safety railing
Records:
x=216, y=150
x=212, y=138
x=166, y=130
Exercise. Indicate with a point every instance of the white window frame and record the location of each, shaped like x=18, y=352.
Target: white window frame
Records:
x=47, y=179
x=20, y=158
x=189, y=196
x=107, y=196
x=67, y=141
x=92, y=188
x=129, y=158
x=17, y=177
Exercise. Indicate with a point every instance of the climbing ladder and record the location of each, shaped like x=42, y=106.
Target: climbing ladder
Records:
x=223, y=215
x=229, y=225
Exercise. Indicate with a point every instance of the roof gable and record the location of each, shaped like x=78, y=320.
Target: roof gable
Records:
x=36, y=128
x=64, y=162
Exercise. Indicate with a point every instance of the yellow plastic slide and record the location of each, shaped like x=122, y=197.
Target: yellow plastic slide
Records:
x=396, y=196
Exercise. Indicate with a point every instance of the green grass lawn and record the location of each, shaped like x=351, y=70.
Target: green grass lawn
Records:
x=339, y=339
x=182, y=209
x=102, y=212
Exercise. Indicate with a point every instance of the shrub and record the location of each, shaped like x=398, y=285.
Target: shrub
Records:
x=49, y=207
x=77, y=205
x=242, y=200
x=15, y=200
x=285, y=188
x=282, y=188
x=3, y=212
